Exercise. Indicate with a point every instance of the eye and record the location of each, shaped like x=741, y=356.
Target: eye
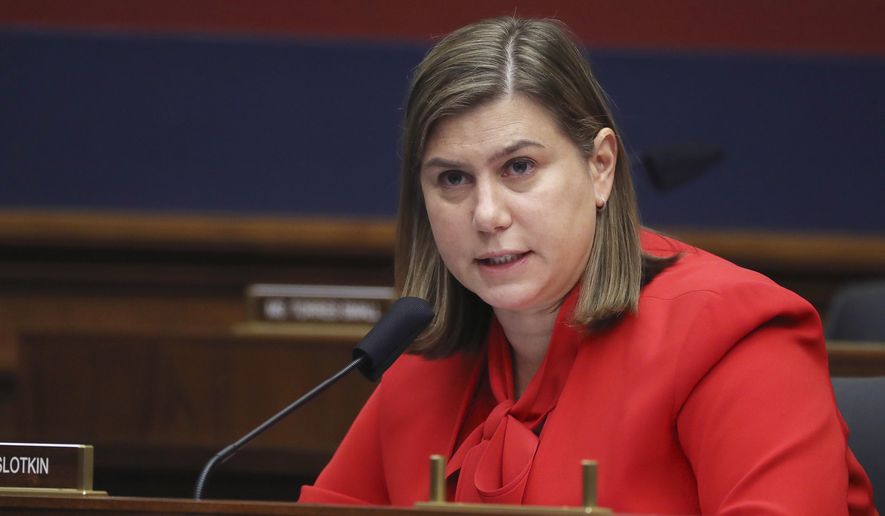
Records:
x=519, y=167
x=451, y=178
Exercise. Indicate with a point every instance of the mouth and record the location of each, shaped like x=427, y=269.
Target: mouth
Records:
x=502, y=259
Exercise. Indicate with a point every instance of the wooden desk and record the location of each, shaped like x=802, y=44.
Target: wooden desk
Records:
x=142, y=506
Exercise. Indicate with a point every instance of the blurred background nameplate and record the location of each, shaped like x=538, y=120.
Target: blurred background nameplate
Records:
x=46, y=469
x=318, y=303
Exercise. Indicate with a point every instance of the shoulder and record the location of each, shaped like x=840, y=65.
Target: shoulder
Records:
x=703, y=308
x=713, y=282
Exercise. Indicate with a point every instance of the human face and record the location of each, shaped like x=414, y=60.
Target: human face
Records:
x=512, y=202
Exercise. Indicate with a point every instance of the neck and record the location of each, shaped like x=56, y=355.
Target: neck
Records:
x=529, y=337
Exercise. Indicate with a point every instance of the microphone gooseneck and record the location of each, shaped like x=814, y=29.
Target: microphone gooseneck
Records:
x=406, y=318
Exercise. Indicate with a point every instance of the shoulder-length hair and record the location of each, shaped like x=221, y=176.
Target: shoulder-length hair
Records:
x=470, y=67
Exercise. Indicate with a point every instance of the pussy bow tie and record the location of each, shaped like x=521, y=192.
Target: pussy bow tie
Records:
x=495, y=459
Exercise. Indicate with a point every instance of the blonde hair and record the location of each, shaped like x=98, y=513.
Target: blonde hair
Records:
x=473, y=66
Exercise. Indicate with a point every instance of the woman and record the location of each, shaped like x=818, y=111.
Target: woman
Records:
x=563, y=332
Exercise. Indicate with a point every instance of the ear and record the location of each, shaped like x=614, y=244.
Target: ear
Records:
x=603, y=163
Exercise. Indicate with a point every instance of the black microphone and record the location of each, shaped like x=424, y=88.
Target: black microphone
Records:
x=385, y=342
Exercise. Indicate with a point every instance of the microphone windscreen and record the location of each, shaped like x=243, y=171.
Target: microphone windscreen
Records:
x=398, y=327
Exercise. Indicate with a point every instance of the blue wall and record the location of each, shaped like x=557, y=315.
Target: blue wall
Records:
x=273, y=126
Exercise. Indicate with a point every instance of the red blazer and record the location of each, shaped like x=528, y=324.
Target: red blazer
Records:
x=714, y=398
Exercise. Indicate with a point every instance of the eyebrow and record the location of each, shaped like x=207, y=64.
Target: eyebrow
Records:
x=510, y=149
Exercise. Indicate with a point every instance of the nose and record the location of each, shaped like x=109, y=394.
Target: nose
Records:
x=490, y=213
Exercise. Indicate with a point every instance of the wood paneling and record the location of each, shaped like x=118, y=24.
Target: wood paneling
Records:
x=312, y=236
x=182, y=397
x=117, y=331
x=856, y=358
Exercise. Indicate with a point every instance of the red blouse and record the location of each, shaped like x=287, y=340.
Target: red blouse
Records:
x=713, y=398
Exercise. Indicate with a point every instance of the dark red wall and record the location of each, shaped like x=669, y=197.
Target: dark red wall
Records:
x=855, y=27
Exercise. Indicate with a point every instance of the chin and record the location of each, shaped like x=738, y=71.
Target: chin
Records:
x=510, y=300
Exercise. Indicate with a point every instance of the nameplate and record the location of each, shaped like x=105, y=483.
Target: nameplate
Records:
x=46, y=468
x=317, y=303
